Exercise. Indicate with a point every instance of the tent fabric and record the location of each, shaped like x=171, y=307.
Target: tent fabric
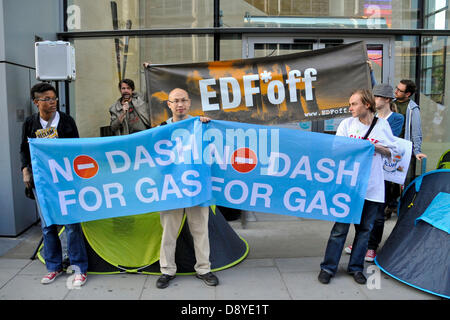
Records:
x=131, y=244
x=226, y=247
x=418, y=254
x=438, y=212
x=126, y=241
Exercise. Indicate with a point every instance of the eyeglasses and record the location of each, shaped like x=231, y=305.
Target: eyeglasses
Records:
x=176, y=101
x=397, y=89
x=47, y=99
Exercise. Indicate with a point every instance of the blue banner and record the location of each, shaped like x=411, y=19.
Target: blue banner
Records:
x=237, y=165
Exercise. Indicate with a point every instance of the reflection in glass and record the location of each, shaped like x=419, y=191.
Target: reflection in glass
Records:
x=320, y=13
x=85, y=15
x=276, y=49
x=98, y=64
x=375, y=55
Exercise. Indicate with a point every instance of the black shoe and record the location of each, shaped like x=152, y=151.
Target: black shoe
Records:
x=324, y=277
x=359, y=277
x=388, y=213
x=209, y=278
x=163, y=281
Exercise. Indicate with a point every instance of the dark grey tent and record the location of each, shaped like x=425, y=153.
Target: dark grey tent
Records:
x=417, y=251
x=131, y=244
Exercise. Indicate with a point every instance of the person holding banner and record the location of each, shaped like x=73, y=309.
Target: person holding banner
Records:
x=362, y=125
x=130, y=113
x=197, y=217
x=384, y=96
x=50, y=123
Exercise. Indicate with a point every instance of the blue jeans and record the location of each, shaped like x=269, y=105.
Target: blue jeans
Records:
x=75, y=247
x=337, y=238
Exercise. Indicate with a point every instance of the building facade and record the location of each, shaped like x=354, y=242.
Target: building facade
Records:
x=22, y=22
x=405, y=39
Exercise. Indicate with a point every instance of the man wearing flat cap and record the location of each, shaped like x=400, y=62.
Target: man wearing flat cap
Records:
x=386, y=109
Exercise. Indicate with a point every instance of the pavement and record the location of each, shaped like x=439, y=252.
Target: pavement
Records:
x=282, y=264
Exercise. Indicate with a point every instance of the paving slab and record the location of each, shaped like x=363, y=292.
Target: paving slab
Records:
x=16, y=264
x=28, y=287
x=183, y=287
x=383, y=287
x=283, y=264
x=33, y=267
x=6, y=244
x=305, y=286
x=261, y=283
x=109, y=287
x=9, y=268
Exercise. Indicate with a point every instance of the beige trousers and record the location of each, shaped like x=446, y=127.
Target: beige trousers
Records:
x=197, y=218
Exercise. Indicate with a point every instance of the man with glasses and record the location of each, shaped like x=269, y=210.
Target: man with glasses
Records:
x=130, y=113
x=48, y=122
x=412, y=130
x=197, y=217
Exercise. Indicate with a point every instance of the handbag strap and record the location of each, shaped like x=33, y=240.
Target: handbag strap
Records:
x=374, y=121
x=50, y=121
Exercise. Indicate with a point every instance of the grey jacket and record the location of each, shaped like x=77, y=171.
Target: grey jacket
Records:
x=413, y=129
x=140, y=107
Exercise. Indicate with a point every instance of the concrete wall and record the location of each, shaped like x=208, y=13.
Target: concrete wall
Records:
x=20, y=22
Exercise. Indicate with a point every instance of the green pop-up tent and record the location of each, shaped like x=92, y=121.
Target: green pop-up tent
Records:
x=132, y=243
x=444, y=160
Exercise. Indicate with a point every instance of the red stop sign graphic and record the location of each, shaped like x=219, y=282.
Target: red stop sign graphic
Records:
x=244, y=160
x=85, y=167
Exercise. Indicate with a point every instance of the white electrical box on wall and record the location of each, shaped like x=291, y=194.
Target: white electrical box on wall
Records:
x=55, y=60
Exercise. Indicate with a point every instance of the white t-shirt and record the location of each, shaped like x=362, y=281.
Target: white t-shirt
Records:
x=381, y=134
x=51, y=131
x=54, y=123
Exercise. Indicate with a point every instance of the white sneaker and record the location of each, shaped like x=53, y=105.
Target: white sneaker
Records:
x=50, y=277
x=348, y=249
x=79, y=279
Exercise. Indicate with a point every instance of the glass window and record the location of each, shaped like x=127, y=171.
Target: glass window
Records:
x=101, y=62
x=434, y=95
x=436, y=14
x=433, y=67
x=230, y=47
x=84, y=15
x=434, y=98
x=375, y=55
x=320, y=13
x=405, y=58
x=98, y=68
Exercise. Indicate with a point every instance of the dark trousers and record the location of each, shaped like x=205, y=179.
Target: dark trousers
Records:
x=411, y=175
x=392, y=192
